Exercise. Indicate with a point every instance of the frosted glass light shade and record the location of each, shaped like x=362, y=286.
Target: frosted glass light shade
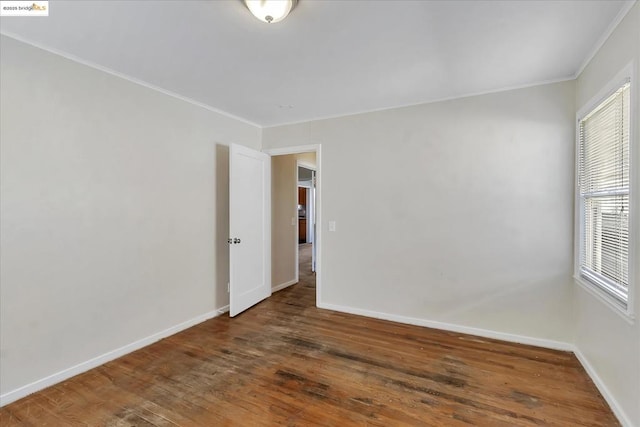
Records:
x=270, y=11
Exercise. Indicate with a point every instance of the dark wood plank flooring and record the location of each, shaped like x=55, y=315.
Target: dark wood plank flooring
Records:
x=285, y=362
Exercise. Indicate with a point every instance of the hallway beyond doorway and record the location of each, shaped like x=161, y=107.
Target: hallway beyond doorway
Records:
x=306, y=277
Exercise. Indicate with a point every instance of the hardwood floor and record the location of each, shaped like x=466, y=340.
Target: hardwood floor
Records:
x=285, y=362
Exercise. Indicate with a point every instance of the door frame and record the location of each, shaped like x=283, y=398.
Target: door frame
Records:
x=312, y=148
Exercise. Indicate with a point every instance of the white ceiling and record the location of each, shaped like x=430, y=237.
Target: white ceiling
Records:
x=329, y=57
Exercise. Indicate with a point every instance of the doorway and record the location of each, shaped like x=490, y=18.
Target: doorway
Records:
x=287, y=253
x=307, y=208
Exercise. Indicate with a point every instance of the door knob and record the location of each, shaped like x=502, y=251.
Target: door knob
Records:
x=236, y=240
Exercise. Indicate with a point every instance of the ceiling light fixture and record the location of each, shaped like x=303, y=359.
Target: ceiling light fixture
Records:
x=270, y=11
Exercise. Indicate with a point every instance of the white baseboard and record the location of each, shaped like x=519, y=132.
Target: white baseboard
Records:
x=604, y=391
x=281, y=286
x=65, y=374
x=520, y=339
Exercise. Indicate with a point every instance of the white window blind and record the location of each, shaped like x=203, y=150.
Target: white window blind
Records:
x=603, y=181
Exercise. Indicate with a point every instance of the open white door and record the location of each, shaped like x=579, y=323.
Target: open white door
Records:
x=249, y=227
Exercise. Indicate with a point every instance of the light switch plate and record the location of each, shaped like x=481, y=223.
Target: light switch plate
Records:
x=332, y=226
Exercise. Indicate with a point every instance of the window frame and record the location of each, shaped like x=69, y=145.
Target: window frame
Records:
x=627, y=74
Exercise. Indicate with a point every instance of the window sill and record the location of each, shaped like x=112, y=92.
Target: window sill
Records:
x=626, y=314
